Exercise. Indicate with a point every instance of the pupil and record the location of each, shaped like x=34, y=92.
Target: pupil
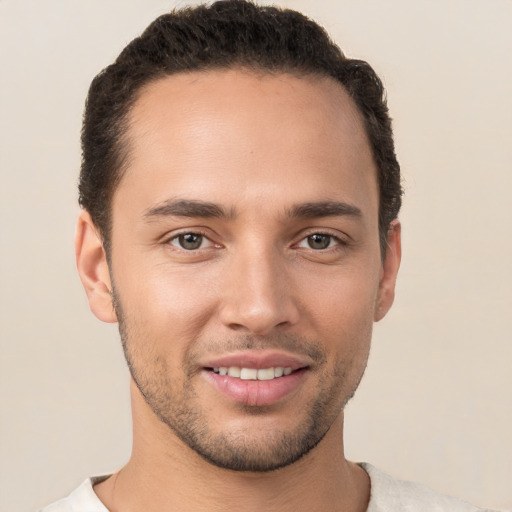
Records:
x=319, y=241
x=190, y=241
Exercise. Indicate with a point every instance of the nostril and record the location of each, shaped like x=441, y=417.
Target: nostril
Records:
x=258, y=311
x=237, y=327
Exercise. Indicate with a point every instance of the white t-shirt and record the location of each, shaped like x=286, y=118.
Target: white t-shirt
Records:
x=387, y=495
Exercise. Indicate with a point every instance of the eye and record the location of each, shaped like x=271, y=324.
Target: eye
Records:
x=319, y=241
x=190, y=241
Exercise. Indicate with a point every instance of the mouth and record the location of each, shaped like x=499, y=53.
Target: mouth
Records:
x=252, y=373
x=256, y=378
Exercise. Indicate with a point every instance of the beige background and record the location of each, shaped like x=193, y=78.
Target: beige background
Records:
x=435, y=405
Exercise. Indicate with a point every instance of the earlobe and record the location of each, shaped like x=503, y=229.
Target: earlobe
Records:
x=389, y=272
x=91, y=261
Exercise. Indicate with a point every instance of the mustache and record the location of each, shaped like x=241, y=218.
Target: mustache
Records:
x=297, y=345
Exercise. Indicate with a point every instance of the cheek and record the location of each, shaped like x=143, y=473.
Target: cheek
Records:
x=342, y=301
x=165, y=307
x=340, y=314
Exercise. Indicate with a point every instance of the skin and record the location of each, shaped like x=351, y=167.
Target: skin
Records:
x=262, y=149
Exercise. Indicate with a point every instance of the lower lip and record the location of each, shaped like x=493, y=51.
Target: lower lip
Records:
x=257, y=392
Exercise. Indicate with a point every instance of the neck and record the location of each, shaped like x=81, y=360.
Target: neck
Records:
x=164, y=474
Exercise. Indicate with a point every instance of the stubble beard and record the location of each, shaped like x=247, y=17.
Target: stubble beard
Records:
x=237, y=451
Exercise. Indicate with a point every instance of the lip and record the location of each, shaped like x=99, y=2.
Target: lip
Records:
x=257, y=392
x=258, y=359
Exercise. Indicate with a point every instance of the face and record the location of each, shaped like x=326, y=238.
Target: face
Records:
x=245, y=261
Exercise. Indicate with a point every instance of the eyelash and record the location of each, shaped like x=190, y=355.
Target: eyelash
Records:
x=196, y=232
x=339, y=242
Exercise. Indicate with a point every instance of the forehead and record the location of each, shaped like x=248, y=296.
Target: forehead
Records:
x=206, y=133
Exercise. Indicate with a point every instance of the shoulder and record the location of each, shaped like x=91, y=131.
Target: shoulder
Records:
x=82, y=499
x=389, y=494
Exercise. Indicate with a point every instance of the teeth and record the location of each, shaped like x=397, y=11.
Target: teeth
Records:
x=248, y=374
x=253, y=373
x=266, y=374
x=233, y=371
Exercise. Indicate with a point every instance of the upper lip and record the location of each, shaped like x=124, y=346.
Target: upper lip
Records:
x=258, y=359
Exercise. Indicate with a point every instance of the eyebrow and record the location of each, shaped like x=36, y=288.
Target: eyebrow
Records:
x=193, y=208
x=187, y=208
x=324, y=209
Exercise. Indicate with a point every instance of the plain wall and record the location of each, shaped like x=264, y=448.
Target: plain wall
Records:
x=435, y=404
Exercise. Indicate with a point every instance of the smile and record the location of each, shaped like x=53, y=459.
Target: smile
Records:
x=253, y=373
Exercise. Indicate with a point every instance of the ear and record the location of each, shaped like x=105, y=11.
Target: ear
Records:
x=389, y=271
x=91, y=261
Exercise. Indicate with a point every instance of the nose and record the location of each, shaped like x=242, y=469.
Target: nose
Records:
x=258, y=296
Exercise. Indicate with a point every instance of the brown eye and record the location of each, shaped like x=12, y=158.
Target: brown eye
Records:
x=319, y=241
x=188, y=241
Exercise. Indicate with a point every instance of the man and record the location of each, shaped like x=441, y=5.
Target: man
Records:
x=240, y=195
